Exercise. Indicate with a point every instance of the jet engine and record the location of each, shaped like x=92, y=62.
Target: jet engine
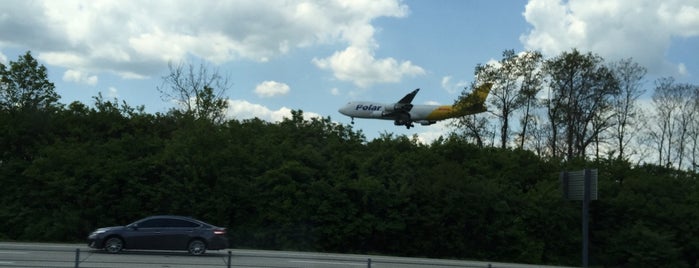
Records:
x=398, y=107
x=425, y=122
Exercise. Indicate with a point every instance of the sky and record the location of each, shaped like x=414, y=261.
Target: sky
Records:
x=315, y=56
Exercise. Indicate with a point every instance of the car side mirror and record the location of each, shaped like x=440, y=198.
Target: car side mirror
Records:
x=134, y=227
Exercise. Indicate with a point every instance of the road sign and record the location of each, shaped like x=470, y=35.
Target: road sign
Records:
x=573, y=184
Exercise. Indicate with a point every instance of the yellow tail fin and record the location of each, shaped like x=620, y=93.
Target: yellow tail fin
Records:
x=475, y=102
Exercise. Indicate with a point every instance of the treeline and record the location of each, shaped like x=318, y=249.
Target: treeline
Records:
x=579, y=105
x=315, y=185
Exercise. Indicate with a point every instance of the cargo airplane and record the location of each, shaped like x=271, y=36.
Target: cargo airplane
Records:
x=403, y=113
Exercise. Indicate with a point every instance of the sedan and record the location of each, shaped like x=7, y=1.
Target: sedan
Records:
x=161, y=233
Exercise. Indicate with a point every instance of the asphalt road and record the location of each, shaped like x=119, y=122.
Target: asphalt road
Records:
x=65, y=255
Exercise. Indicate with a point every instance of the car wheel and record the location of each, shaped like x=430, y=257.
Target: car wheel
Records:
x=113, y=245
x=196, y=247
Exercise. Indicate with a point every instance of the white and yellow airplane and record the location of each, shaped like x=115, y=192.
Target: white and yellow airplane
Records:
x=403, y=113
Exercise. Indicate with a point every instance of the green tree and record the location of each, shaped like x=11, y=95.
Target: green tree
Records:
x=516, y=81
x=25, y=85
x=581, y=90
x=198, y=91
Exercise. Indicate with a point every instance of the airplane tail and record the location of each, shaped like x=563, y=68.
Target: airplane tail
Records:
x=475, y=102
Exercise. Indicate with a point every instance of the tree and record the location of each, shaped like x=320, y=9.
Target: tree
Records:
x=663, y=113
x=198, y=92
x=693, y=130
x=538, y=132
x=516, y=81
x=529, y=69
x=581, y=89
x=687, y=111
x=665, y=99
x=675, y=109
x=27, y=98
x=630, y=78
x=25, y=85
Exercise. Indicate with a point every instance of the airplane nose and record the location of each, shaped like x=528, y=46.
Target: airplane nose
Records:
x=344, y=109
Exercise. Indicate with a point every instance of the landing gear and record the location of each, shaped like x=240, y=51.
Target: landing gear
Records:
x=407, y=123
x=403, y=119
x=352, y=121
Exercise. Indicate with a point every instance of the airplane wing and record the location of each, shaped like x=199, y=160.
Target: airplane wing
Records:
x=404, y=105
x=409, y=98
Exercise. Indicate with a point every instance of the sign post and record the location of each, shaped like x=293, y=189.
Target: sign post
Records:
x=581, y=185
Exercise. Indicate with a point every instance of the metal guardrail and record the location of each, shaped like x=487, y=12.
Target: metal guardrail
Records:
x=65, y=256
x=228, y=263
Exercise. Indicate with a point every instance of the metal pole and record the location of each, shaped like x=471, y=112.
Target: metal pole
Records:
x=368, y=265
x=229, y=258
x=564, y=184
x=585, y=216
x=77, y=257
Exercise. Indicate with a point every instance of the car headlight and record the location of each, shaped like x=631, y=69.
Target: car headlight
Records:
x=98, y=231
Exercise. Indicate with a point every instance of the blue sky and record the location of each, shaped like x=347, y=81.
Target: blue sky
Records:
x=317, y=55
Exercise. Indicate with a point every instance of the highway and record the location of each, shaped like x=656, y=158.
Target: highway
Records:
x=64, y=255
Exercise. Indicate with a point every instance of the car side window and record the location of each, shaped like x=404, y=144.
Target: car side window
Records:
x=177, y=223
x=152, y=223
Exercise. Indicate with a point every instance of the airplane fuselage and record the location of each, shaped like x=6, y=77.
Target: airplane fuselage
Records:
x=422, y=114
x=404, y=113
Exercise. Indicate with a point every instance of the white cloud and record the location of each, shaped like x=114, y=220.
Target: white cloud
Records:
x=112, y=92
x=682, y=15
x=3, y=59
x=135, y=39
x=335, y=91
x=453, y=88
x=682, y=69
x=271, y=89
x=80, y=77
x=445, y=82
x=357, y=63
x=359, y=66
x=433, y=132
x=642, y=29
x=242, y=109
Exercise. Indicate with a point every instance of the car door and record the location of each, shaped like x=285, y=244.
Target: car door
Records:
x=145, y=234
x=178, y=233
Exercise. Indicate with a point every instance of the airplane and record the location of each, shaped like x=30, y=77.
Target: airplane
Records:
x=403, y=113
